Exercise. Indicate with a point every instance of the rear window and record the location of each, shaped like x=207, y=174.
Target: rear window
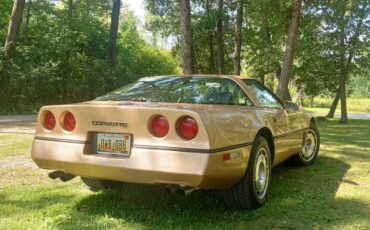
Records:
x=195, y=90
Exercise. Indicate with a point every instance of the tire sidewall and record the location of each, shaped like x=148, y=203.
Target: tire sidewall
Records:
x=314, y=129
x=259, y=143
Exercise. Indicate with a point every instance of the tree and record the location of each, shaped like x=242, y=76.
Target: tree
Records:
x=211, y=58
x=345, y=64
x=13, y=29
x=186, y=38
x=112, y=48
x=9, y=49
x=219, y=35
x=289, y=51
x=342, y=63
x=238, y=36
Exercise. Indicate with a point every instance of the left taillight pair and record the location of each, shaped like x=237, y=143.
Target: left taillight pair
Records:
x=186, y=127
x=69, y=121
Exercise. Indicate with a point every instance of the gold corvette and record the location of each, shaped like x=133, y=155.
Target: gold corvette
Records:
x=189, y=132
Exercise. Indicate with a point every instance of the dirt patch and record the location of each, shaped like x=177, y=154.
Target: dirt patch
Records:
x=19, y=161
x=18, y=124
x=17, y=127
x=21, y=170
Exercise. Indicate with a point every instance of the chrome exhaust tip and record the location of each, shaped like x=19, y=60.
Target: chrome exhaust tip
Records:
x=64, y=177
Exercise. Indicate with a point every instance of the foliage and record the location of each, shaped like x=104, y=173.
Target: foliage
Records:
x=61, y=57
x=316, y=66
x=62, y=52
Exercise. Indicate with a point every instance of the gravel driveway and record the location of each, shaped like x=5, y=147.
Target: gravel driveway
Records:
x=18, y=124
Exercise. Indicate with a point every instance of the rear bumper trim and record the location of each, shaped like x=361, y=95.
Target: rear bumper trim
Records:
x=62, y=140
x=152, y=147
x=193, y=150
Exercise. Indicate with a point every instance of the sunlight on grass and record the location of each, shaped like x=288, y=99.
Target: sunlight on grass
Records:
x=15, y=145
x=354, y=105
x=334, y=193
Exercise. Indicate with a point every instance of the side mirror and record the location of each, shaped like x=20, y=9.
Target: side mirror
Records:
x=289, y=105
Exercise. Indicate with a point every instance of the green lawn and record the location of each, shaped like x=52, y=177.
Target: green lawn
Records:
x=334, y=193
x=15, y=144
x=354, y=105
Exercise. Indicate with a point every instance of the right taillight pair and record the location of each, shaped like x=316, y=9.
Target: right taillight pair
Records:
x=186, y=127
x=69, y=121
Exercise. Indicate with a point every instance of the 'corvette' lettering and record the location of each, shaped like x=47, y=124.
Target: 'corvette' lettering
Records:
x=109, y=123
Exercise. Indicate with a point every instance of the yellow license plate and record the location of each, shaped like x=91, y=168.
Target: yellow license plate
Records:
x=113, y=144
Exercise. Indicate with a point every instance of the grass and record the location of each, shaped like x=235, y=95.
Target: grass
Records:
x=354, y=105
x=14, y=145
x=334, y=193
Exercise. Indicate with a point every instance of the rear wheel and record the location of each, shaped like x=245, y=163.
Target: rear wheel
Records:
x=310, y=148
x=251, y=191
x=96, y=184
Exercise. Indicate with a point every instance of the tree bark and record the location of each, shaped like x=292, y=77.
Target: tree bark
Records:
x=219, y=35
x=334, y=105
x=238, y=36
x=186, y=37
x=267, y=34
x=289, y=51
x=27, y=22
x=211, y=58
x=343, y=72
x=112, y=48
x=13, y=29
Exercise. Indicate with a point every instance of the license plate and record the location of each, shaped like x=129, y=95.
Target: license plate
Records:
x=113, y=144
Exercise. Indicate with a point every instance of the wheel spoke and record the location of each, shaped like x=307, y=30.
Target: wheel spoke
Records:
x=309, y=146
x=261, y=174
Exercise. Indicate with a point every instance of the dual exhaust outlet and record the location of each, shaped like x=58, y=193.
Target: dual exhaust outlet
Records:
x=173, y=189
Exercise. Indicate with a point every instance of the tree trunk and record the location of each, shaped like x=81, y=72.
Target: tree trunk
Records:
x=288, y=57
x=353, y=42
x=112, y=49
x=9, y=51
x=286, y=92
x=267, y=33
x=186, y=37
x=334, y=105
x=27, y=22
x=219, y=35
x=211, y=58
x=343, y=73
x=13, y=29
x=262, y=79
x=238, y=36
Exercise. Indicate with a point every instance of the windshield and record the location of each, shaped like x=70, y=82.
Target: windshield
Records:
x=195, y=90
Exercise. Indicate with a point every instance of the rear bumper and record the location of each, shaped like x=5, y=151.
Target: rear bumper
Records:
x=148, y=166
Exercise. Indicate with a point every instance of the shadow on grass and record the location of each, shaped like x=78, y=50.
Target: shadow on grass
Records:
x=299, y=198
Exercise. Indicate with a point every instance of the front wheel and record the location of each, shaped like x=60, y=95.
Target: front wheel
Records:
x=251, y=191
x=310, y=148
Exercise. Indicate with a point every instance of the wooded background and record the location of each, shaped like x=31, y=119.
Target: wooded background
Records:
x=66, y=51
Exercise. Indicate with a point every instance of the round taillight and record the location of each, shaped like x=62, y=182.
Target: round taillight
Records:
x=69, y=122
x=160, y=126
x=49, y=121
x=187, y=128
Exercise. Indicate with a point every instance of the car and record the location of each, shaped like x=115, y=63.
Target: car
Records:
x=185, y=132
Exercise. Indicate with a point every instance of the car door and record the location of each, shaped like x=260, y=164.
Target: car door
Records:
x=286, y=126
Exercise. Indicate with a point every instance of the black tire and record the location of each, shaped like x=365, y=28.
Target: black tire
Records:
x=96, y=184
x=301, y=158
x=244, y=195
